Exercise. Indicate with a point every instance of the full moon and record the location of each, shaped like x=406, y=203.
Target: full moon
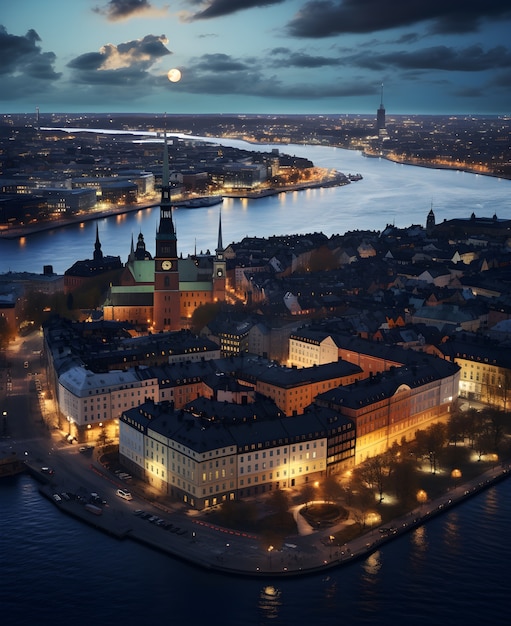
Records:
x=174, y=75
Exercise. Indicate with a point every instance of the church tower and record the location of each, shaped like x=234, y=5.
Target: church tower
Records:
x=430, y=222
x=166, y=302
x=219, y=267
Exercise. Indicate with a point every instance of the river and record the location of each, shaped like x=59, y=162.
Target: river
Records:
x=389, y=193
x=56, y=570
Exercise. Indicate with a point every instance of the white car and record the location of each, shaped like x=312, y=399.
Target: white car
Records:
x=126, y=495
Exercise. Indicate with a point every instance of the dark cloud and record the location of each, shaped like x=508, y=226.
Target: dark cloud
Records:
x=219, y=8
x=22, y=57
x=501, y=80
x=117, y=10
x=470, y=59
x=220, y=63
x=299, y=59
x=325, y=18
x=223, y=75
x=470, y=92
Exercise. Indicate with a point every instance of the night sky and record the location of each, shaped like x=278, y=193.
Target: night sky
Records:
x=256, y=56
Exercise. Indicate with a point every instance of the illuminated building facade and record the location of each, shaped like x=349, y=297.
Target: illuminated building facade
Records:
x=211, y=452
x=393, y=405
x=161, y=293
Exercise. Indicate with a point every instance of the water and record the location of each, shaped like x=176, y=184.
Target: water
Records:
x=389, y=193
x=56, y=570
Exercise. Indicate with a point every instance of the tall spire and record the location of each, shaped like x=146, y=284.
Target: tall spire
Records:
x=166, y=227
x=131, y=256
x=98, y=254
x=220, y=247
x=165, y=173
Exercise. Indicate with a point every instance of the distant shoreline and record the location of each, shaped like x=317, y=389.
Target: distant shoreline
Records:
x=17, y=232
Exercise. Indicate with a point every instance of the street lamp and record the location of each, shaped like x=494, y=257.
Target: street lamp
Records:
x=455, y=475
x=270, y=549
x=432, y=462
x=422, y=497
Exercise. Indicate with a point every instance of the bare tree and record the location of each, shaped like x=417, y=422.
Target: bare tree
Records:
x=331, y=488
x=307, y=494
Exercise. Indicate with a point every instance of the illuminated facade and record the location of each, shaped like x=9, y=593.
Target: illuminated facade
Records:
x=212, y=452
x=161, y=293
x=485, y=374
x=392, y=406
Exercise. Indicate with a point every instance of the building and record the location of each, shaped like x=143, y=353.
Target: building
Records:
x=211, y=452
x=98, y=369
x=393, y=405
x=485, y=364
x=82, y=272
x=162, y=292
x=380, y=115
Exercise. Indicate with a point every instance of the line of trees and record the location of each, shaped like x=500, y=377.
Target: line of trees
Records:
x=487, y=433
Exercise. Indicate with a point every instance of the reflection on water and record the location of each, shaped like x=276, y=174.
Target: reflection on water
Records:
x=372, y=564
x=270, y=601
x=491, y=502
x=420, y=539
x=452, y=534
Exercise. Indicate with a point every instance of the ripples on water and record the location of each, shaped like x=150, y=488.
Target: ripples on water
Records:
x=55, y=570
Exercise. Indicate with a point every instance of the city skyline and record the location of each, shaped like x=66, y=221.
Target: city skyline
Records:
x=256, y=56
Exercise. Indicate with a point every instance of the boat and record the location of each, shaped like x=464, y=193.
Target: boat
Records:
x=199, y=203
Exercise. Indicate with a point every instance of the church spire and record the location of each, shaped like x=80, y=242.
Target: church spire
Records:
x=98, y=254
x=131, y=256
x=219, y=247
x=166, y=227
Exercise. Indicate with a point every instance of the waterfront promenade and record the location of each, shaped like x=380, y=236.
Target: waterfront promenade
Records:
x=188, y=535
x=192, y=537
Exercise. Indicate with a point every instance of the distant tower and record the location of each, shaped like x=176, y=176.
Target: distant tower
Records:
x=37, y=119
x=380, y=114
x=166, y=303
x=430, y=222
x=219, y=267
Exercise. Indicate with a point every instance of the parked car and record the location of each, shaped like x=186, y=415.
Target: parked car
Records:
x=126, y=495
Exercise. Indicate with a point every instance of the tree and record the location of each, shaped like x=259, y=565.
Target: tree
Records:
x=307, y=494
x=203, y=315
x=102, y=437
x=483, y=444
x=456, y=426
x=279, y=501
x=374, y=473
x=496, y=422
x=331, y=489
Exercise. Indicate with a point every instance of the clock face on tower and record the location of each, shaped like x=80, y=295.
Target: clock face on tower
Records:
x=219, y=272
x=166, y=265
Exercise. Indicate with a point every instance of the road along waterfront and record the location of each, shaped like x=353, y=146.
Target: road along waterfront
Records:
x=193, y=539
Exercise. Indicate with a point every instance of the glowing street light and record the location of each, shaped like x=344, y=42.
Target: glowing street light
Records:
x=494, y=459
x=455, y=475
x=422, y=497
